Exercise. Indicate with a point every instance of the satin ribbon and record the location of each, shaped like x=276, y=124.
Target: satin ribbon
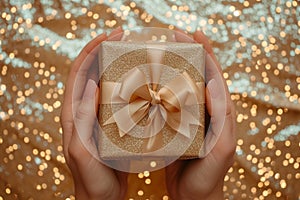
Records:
x=165, y=105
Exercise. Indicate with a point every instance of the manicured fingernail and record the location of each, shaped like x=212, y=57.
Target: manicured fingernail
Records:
x=213, y=88
x=90, y=89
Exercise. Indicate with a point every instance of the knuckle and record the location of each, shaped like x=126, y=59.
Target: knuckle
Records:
x=230, y=153
x=75, y=151
x=67, y=126
x=81, y=113
x=229, y=107
x=74, y=154
x=85, y=111
x=66, y=155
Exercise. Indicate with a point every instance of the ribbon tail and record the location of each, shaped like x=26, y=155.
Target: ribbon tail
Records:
x=126, y=124
x=188, y=117
x=111, y=120
x=121, y=133
x=181, y=122
x=155, y=121
x=110, y=93
x=154, y=125
x=118, y=119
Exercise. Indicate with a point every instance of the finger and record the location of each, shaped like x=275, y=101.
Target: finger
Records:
x=90, y=65
x=80, y=67
x=215, y=85
x=218, y=100
x=90, y=174
x=200, y=37
x=212, y=71
x=83, y=62
x=82, y=149
x=93, y=72
x=212, y=168
x=219, y=106
x=78, y=182
x=86, y=117
x=84, y=120
x=181, y=36
x=212, y=65
x=219, y=140
x=173, y=175
x=116, y=34
x=224, y=148
x=66, y=114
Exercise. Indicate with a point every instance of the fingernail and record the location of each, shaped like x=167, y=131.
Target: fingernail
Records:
x=201, y=32
x=119, y=28
x=116, y=30
x=90, y=89
x=213, y=88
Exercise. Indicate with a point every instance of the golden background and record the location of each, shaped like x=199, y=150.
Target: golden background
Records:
x=256, y=42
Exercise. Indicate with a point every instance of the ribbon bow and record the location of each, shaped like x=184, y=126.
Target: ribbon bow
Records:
x=165, y=105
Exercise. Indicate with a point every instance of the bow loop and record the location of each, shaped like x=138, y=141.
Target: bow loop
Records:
x=133, y=88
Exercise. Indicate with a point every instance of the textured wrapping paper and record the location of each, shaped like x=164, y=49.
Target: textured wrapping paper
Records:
x=152, y=100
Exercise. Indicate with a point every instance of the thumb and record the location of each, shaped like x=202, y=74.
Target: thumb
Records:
x=216, y=106
x=86, y=115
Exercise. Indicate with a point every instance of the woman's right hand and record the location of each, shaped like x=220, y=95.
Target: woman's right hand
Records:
x=204, y=178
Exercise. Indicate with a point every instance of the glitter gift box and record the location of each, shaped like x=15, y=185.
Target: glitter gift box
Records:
x=152, y=100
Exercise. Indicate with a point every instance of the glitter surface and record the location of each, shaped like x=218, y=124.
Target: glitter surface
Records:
x=256, y=42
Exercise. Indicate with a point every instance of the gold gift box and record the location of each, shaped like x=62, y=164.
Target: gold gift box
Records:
x=119, y=59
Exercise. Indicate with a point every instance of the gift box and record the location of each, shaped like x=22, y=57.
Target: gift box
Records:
x=151, y=101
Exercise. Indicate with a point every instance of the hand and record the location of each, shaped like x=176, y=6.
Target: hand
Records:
x=92, y=179
x=204, y=178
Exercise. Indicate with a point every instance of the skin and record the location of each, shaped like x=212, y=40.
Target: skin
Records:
x=193, y=179
x=204, y=178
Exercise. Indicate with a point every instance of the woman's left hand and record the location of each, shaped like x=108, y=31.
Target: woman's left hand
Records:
x=92, y=179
